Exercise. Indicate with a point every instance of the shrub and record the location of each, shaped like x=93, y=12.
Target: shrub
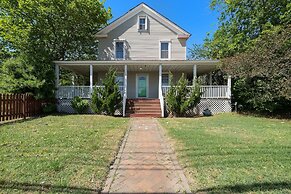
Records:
x=182, y=99
x=106, y=100
x=49, y=108
x=80, y=105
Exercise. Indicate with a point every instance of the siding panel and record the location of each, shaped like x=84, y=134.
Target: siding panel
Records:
x=141, y=46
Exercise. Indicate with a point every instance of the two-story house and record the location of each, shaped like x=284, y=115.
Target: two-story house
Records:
x=143, y=46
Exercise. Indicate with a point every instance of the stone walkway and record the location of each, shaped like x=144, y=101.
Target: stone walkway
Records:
x=146, y=163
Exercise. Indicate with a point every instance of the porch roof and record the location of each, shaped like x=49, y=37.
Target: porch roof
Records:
x=82, y=67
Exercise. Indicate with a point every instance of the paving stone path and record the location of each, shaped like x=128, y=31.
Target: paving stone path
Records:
x=146, y=163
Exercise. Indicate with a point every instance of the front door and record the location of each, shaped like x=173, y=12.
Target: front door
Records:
x=142, y=85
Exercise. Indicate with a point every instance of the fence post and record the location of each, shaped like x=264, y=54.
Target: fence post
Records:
x=24, y=105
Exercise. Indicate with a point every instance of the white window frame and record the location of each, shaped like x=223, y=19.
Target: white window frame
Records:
x=146, y=23
x=169, y=49
x=114, y=50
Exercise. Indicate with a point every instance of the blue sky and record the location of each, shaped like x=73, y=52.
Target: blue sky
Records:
x=195, y=16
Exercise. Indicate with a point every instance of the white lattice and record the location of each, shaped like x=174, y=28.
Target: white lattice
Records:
x=64, y=106
x=214, y=105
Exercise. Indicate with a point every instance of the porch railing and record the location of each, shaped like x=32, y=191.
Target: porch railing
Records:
x=69, y=92
x=207, y=91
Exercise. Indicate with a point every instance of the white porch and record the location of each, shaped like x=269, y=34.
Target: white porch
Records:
x=155, y=70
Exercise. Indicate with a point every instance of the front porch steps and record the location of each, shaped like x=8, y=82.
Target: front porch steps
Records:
x=143, y=108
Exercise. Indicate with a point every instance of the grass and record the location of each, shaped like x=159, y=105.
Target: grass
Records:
x=231, y=153
x=58, y=154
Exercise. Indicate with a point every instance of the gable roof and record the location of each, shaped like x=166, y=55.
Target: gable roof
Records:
x=151, y=12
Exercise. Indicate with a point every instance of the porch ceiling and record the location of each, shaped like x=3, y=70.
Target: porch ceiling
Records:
x=83, y=67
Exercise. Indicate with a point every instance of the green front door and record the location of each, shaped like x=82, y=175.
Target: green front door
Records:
x=142, y=86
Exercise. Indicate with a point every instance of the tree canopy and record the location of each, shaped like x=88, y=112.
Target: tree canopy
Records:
x=47, y=30
x=253, y=43
x=242, y=21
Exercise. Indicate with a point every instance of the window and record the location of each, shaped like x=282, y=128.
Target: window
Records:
x=119, y=50
x=165, y=50
x=165, y=79
x=142, y=23
x=119, y=79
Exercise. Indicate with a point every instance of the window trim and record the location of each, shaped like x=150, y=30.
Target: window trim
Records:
x=146, y=23
x=169, y=49
x=115, y=41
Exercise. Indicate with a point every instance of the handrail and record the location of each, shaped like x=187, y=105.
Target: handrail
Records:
x=69, y=92
x=211, y=91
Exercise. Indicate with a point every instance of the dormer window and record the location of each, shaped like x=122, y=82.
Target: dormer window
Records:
x=119, y=49
x=142, y=23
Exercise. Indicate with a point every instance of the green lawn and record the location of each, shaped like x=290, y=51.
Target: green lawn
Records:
x=58, y=153
x=231, y=153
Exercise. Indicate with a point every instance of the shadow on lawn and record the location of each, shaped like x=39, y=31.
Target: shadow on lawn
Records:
x=240, y=188
x=31, y=187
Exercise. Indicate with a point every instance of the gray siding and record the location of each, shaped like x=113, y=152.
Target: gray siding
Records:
x=142, y=45
x=131, y=82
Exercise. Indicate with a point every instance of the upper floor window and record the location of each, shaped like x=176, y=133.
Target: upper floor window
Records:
x=165, y=50
x=119, y=50
x=142, y=23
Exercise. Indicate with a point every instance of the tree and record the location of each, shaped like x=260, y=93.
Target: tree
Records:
x=198, y=52
x=241, y=21
x=47, y=30
x=181, y=99
x=107, y=99
x=17, y=76
x=253, y=43
x=264, y=72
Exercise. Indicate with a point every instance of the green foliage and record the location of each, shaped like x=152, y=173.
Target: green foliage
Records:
x=17, y=76
x=47, y=30
x=242, y=21
x=253, y=41
x=198, y=52
x=107, y=99
x=80, y=105
x=263, y=72
x=181, y=99
x=49, y=108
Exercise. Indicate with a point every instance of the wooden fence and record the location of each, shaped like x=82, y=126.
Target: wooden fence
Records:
x=16, y=106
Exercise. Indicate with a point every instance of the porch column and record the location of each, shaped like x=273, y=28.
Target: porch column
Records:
x=57, y=75
x=229, y=87
x=161, y=97
x=194, y=73
x=91, y=79
x=160, y=80
x=124, y=91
